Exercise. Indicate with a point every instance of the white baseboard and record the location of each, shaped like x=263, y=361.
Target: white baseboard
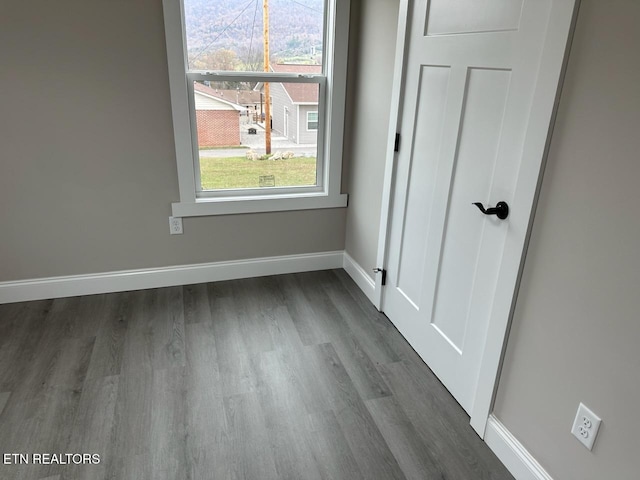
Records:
x=71, y=286
x=512, y=453
x=359, y=275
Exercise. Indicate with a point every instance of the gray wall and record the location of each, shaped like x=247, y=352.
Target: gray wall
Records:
x=372, y=53
x=576, y=328
x=87, y=167
x=280, y=99
x=306, y=136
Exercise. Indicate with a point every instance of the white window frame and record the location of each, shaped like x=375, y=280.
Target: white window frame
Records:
x=326, y=194
x=317, y=121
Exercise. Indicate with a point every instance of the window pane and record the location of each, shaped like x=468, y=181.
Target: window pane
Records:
x=229, y=35
x=312, y=120
x=232, y=134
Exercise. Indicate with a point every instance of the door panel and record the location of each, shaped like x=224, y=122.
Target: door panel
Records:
x=430, y=110
x=476, y=159
x=471, y=76
x=462, y=16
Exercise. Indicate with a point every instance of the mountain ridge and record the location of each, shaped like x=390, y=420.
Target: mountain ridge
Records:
x=295, y=29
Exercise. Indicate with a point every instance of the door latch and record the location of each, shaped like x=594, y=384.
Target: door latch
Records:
x=384, y=274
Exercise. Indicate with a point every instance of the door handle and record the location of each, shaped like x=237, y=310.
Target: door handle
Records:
x=501, y=210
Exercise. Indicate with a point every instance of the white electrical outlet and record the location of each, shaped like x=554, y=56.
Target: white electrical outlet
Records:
x=175, y=225
x=585, y=426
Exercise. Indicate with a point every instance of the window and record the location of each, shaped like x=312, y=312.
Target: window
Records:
x=312, y=120
x=237, y=152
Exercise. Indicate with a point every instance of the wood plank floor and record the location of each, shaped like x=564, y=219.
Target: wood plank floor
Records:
x=287, y=377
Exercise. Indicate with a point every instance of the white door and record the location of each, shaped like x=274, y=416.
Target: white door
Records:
x=478, y=97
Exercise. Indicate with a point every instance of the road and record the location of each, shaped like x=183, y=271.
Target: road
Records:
x=256, y=143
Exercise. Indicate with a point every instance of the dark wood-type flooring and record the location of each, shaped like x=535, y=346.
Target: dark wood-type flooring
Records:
x=289, y=377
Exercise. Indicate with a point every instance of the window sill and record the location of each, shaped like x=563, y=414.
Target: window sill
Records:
x=257, y=204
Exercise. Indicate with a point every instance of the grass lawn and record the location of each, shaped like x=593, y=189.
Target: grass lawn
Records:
x=238, y=172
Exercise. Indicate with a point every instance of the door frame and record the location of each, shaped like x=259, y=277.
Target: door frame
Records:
x=286, y=122
x=545, y=105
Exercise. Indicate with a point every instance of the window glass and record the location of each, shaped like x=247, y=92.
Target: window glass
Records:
x=312, y=120
x=231, y=130
x=229, y=35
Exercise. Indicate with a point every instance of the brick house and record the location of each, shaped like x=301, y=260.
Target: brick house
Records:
x=218, y=119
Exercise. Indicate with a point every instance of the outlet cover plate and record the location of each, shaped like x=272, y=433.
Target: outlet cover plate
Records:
x=175, y=225
x=586, y=426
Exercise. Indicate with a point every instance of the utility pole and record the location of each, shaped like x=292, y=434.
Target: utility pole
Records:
x=267, y=89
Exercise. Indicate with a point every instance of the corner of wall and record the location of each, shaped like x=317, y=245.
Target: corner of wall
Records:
x=361, y=278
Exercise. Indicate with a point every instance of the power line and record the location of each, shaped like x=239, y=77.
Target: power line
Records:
x=224, y=30
x=252, y=29
x=306, y=6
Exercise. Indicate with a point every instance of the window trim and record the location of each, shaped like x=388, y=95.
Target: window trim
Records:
x=327, y=193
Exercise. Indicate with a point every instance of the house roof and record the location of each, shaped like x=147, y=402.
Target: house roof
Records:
x=242, y=97
x=299, y=92
x=236, y=97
